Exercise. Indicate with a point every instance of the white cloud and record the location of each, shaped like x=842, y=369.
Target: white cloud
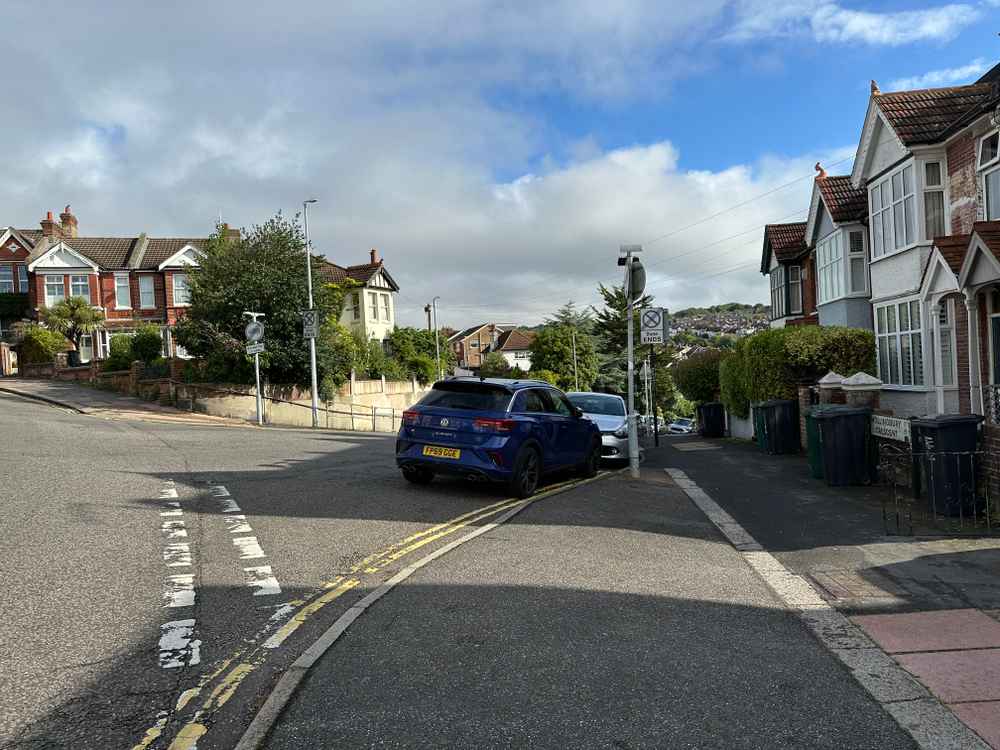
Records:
x=942, y=77
x=830, y=22
x=391, y=118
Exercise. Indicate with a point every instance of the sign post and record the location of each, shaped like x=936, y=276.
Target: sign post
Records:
x=254, y=333
x=635, y=283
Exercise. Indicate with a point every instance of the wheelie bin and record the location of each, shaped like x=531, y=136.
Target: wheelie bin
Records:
x=712, y=419
x=944, y=458
x=845, y=445
x=780, y=422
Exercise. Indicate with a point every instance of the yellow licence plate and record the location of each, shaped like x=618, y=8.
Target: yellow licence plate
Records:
x=438, y=452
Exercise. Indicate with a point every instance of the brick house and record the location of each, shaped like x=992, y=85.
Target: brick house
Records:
x=789, y=266
x=132, y=280
x=515, y=346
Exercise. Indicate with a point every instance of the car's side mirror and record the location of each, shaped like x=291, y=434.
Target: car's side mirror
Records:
x=577, y=412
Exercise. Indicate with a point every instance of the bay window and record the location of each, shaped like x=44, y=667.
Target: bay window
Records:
x=182, y=291
x=933, y=200
x=778, y=309
x=123, y=294
x=830, y=268
x=147, y=293
x=6, y=279
x=55, y=291
x=79, y=286
x=898, y=332
x=856, y=258
x=892, y=212
x=989, y=158
x=22, y=277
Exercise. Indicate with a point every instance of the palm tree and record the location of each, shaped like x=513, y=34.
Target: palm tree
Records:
x=74, y=318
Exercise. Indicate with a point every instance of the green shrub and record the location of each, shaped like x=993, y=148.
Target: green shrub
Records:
x=546, y=375
x=40, y=345
x=157, y=368
x=423, y=368
x=771, y=364
x=119, y=354
x=697, y=377
x=147, y=343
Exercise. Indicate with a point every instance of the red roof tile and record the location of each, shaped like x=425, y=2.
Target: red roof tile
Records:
x=989, y=233
x=953, y=247
x=928, y=115
x=844, y=202
x=515, y=340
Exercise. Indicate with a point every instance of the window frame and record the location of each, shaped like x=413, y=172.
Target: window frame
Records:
x=151, y=280
x=51, y=279
x=779, y=299
x=851, y=256
x=830, y=267
x=356, y=305
x=187, y=289
x=7, y=276
x=119, y=278
x=939, y=188
x=947, y=308
x=23, y=282
x=985, y=174
x=979, y=151
x=897, y=335
x=73, y=284
x=884, y=185
x=797, y=282
x=386, y=307
x=373, y=305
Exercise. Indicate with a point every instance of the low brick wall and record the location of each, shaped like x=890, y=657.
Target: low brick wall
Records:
x=43, y=370
x=990, y=461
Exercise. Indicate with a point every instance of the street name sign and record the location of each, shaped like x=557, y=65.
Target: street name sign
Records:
x=255, y=348
x=310, y=324
x=652, y=322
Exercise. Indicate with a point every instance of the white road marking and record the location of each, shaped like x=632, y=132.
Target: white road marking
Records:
x=177, y=647
x=177, y=554
x=174, y=529
x=168, y=492
x=218, y=490
x=178, y=590
x=262, y=578
x=172, y=512
x=237, y=524
x=249, y=547
x=282, y=612
x=926, y=719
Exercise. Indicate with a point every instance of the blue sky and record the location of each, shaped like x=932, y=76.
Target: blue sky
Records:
x=495, y=153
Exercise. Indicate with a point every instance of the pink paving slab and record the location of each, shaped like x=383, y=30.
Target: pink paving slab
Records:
x=932, y=631
x=957, y=676
x=984, y=718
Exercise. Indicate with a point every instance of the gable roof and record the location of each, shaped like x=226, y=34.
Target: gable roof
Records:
x=989, y=233
x=467, y=331
x=363, y=273
x=786, y=241
x=953, y=248
x=929, y=115
x=515, y=340
x=844, y=202
x=122, y=253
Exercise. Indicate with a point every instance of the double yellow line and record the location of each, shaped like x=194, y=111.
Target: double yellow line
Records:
x=187, y=737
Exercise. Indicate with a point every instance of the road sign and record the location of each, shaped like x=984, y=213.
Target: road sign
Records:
x=254, y=331
x=255, y=348
x=310, y=324
x=652, y=320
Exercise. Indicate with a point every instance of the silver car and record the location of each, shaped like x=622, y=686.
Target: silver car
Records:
x=608, y=412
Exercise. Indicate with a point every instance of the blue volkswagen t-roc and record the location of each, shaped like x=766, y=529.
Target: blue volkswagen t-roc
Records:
x=490, y=429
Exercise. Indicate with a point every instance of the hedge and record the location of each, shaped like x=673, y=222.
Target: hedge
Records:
x=697, y=377
x=770, y=364
x=40, y=345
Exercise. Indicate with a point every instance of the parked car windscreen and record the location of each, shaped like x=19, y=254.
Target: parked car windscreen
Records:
x=683, y=422
x=468, y=396
x=612, y=406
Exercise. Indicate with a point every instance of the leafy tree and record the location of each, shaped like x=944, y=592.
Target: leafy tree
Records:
x=697, y=377
x=257, y=272
x=423, y=368
x=545, y=375
x=40, y=345
x=337, y=353
x=552, y=350
x=569, y=315
x=147, y=343
x=407, y=343
x=495, y=366
x=74, y=318
x=611, y=325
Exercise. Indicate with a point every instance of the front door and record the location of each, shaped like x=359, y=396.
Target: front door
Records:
x=86, y=348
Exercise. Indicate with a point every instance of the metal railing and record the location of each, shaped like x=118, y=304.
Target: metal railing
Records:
x=934, y=492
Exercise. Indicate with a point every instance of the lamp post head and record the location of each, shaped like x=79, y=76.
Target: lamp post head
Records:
x=309, y=200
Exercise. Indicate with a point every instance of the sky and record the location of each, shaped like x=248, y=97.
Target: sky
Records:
x=496, y=153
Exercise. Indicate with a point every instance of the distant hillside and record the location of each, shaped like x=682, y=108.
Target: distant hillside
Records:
x=732, y=308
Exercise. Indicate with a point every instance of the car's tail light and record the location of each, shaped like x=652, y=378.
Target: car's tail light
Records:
x=411, y=417
x=493, y=425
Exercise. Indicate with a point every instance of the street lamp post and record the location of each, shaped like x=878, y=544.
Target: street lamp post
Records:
x=312, y=340
x=635, y=282
x=437, y=343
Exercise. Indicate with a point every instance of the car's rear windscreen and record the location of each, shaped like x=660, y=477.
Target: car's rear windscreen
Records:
x=467, y=396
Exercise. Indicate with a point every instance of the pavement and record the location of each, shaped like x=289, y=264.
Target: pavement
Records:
x=86, y=399
x=932, y=603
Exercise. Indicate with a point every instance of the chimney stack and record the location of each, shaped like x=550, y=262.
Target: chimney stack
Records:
x=231, y=235
x=374, y=254
x=50, y=228
x=69, y=223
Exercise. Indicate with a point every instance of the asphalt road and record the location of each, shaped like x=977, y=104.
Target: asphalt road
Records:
x=611, y=615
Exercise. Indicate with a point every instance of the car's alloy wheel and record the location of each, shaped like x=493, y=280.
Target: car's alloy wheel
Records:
x=527, y=472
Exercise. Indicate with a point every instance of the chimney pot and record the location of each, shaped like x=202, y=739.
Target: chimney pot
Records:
x=49, y=227
x=374, y=254
x=69, y=223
